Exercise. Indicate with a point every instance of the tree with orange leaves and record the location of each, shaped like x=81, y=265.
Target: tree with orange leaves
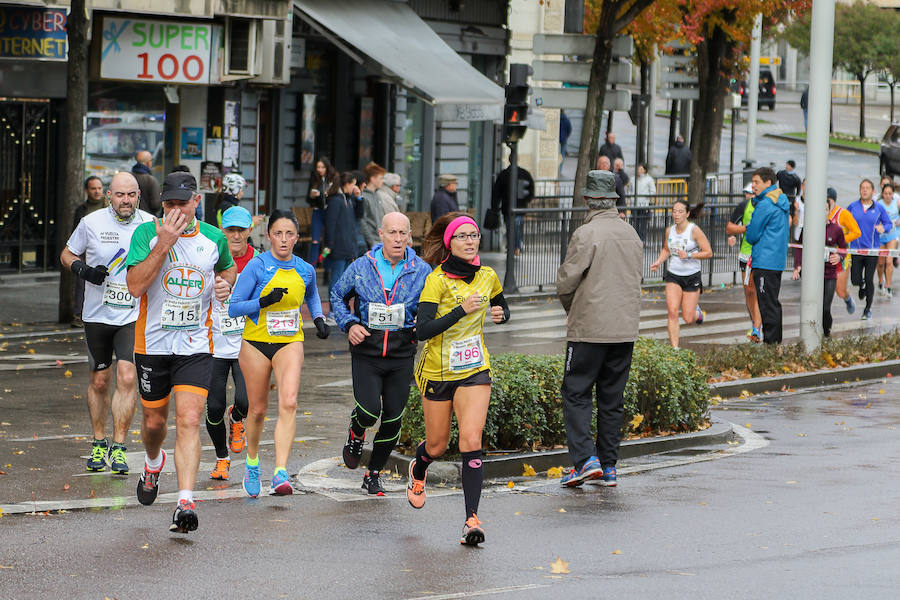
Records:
x=720, y=30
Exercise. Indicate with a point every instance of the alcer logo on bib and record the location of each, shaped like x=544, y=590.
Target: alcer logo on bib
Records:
x=183, y=281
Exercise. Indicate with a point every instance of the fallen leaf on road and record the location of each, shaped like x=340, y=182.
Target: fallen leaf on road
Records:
x=510, y=484
x=31, y=351
x=562, y=510
x=881, y=391
x=517, y=513
x=528, y=470
x=59, y=363
x=66, y=487
x=554, y=472
x=92, y=494
x=790, y=482
x=6, y=567
x=65, y=426
x=745, y=394
x=306, y=412
x=801, y=435
x=68, y=373
x=560, y=566
x=747, y=425
x=19, y=452
x=145, y=546
x=616, y=552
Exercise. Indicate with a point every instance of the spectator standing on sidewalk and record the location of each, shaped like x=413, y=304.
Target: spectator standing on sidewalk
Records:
x=444, y=199
x=804, y=106
x=343, y=210
x=374, y=204
x=604, y=164
x=321, y=178
x=392, y=186
x=142, y=171
x=678, y=160
x=610, y=149
x=788, y=180
x=565, y=130
x=872, y=220
x=524, y=195
x=644, y=190
x=737, y=225
x=768, y=234
x=599, y=286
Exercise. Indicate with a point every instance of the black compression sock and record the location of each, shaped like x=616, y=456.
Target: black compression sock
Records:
x=422, y=461
x=217, y=434
x=472, y=478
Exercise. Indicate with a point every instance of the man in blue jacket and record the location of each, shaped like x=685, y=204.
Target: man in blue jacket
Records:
x=873, y=220
x=384, y=285
x=768, y=233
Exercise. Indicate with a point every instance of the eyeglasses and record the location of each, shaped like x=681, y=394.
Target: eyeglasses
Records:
x=461, y=237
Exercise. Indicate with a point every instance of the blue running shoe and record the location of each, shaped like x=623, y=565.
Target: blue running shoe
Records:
x=251, y=480
x=591, y=469
x=755, y=335
x=609, y=477
x=281, y=484
x=851, y=307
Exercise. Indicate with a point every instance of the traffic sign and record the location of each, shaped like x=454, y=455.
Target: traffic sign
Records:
x=576, y=43
x=577, y=98
x=685, y=93
x=579, y=72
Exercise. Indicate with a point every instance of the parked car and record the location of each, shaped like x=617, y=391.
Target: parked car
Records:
x=767, y=89
x=889, y=156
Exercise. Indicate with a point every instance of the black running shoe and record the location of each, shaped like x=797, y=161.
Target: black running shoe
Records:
x=99, y=457
x=353, y=449
x=184, y=519
x=372, y=483
x=148, y=484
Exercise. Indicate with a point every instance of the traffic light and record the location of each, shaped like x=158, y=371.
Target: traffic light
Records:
x=516, y=109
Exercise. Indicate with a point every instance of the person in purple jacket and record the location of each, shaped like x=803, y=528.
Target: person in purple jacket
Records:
x=873, y=220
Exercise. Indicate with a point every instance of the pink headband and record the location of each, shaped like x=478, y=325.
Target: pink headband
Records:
x=454, y=225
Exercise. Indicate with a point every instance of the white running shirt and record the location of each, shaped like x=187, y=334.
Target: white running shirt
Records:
x=104, y=240
x=175, y=313
x=682, y=241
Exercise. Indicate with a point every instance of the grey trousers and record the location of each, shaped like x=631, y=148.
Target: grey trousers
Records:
x=606, y=367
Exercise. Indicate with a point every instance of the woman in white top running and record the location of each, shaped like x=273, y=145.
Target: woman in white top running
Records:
x=685, y=246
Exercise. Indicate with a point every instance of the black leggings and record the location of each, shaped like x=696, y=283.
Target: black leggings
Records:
x=828, y=296
x=862, y=274
x=381, y=388
x=216, y=400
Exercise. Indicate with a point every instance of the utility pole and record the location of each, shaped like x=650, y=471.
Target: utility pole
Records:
x=813, y=273
x=753, y=92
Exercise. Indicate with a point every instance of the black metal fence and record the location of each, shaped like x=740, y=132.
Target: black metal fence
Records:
x=544, y=234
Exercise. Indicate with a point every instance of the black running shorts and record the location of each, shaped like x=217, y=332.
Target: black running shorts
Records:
x=445, y=390
x=688, y=283
x=159, y=376
x=103, y=339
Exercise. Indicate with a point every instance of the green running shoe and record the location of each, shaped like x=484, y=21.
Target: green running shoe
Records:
x=99, y=457
x=117, y=461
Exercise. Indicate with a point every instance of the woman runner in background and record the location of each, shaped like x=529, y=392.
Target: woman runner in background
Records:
x=453, y=371
x=685, y=245
x=269, y=293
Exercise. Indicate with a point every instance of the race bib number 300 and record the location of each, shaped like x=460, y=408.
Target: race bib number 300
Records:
x=384, y=316
x=115, y=295
x=283, y=322
x=180, y=314
x=466, y=354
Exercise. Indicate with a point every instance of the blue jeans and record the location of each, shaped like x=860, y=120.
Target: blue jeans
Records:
x=317, y=227
x=336, y=268
x=520, y=230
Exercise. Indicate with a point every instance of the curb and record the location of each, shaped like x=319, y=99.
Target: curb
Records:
x=833, y=145
x=505, y=467
x=760, y=385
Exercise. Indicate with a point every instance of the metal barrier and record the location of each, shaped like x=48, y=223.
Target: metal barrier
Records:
x=544, y=237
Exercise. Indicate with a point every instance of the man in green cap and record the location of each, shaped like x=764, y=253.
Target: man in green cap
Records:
x=599, y=286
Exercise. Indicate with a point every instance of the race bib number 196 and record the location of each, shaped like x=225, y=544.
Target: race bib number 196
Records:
x=466, y=354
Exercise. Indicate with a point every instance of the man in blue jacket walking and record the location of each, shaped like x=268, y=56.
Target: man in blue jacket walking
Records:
x=385, y=285
x=873, y=220
x=768, y=233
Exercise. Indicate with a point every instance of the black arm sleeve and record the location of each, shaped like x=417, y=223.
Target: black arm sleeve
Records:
x=427, y=326
x=500, y=301
x=737, y=214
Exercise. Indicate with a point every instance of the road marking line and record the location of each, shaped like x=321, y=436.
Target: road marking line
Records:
x=487, y=592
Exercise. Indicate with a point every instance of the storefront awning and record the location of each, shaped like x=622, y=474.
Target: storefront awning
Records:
x=409, y=51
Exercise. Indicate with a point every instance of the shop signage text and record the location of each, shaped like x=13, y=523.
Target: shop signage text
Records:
x=156, y=51
x=33, y=33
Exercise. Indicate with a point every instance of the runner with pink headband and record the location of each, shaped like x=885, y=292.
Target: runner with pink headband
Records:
x=453, y=371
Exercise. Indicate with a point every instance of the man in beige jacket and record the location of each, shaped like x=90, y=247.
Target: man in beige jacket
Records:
x=599, y=285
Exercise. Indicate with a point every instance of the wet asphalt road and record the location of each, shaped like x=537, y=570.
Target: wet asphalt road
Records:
x=808, y=510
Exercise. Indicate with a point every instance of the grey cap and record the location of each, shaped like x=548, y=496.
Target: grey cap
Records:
x=446, y=179
x=600, y=184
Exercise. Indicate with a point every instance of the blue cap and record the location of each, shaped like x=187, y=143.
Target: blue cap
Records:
x=237, y=216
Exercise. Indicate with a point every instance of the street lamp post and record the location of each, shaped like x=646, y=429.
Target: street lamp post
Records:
x=811, y=288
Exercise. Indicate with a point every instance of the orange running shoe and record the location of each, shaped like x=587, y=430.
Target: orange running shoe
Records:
x=236, y=439
x=221, y=470
x=415, y=489
x=473, y=532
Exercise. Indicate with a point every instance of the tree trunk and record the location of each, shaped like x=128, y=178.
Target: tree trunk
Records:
x=709, y=114
x=862, y=104
x=593, y=112
x=76, y=107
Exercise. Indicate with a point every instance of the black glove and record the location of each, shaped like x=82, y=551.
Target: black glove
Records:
x=272, y=297
x=94, y=275
x=321, y=328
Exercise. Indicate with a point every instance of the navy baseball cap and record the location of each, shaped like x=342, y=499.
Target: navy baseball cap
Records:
x=178, y=186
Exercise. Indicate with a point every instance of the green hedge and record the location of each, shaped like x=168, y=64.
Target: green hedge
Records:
x=666, y=387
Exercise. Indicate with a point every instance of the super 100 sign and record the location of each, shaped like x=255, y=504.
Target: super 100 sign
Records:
x=155, y=51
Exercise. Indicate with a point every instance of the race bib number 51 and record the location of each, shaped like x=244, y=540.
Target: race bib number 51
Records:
x=384, y=316
x=466, y=354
